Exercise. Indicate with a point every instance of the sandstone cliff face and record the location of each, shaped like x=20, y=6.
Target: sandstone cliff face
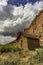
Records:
x=36, y=28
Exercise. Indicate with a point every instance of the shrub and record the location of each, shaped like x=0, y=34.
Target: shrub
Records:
x=16, y=48
x=4, y=49
x=10, y=62
x=37, y=58
x=8, y=48
x=40, y=54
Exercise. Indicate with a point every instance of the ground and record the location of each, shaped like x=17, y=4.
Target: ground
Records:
x=23, y=57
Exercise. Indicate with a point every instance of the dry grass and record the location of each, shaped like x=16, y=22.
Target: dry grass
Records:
x=24, y=57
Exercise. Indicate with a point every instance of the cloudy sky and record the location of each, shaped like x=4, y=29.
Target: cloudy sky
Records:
x=16, y=15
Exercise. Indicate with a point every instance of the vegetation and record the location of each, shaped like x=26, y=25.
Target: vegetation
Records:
x=24, y=58
x=37, y=58
x=9, y=48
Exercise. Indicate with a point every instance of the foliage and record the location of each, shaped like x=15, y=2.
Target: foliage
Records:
x=33, y=59
x=37, y=58
x=9, y=48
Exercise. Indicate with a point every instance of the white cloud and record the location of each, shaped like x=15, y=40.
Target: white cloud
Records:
x=6, y=39
x=14, y=19
x=38, y=5
x=18, y=10
x=3, y=2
